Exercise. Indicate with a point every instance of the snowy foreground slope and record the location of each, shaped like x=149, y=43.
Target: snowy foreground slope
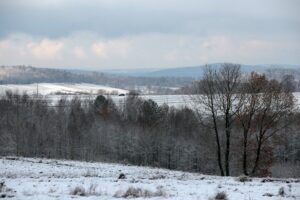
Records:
x=28, y=178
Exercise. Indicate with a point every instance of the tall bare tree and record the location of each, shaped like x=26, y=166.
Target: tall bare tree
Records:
x=263, y=107
x=277, y=103
x=249, y=104
x=218, y=98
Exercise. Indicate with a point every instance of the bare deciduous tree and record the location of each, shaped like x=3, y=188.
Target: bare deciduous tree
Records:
x=218, y=99
x=263, y=107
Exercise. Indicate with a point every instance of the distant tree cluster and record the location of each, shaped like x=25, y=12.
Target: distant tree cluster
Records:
x=289, y=78
x=236, y=126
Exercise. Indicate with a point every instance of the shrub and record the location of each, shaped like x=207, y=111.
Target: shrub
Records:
x=133, y=192
x=6, y=192
x=157, y=177
x=244, y=178
x=79, y=191
x=90, y=173
x=281, y=191
x=268, y=195
x=2, y=185
x=122, y=176
x=221, y=196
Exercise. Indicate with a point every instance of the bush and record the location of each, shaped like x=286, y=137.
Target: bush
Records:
x=244, y=178
x=2, y=185
x=122, y=176
x=81, y=191
x=90, y=173
x=221, y=196
x=268, y=195
x=6, y=192
x=281, y=192
x=133, y=192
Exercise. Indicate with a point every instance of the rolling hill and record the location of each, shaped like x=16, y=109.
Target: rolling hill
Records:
x=197, y=71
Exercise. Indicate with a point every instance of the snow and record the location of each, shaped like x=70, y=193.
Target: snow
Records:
x=180, y=101
x=90, y=91
x=66, y=88
x=33, y=178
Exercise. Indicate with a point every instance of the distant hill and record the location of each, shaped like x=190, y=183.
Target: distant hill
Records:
x=172, y=77
x=28, y=74
x=197, y=71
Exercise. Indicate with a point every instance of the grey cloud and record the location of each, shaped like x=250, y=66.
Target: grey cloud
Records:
x=148, y=33
x=135, y=17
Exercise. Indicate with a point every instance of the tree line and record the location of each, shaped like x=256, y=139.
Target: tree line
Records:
x=238, y=125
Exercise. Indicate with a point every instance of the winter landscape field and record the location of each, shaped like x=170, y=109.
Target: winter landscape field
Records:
x=55, y=91
x=62, y=88
x=34, y=178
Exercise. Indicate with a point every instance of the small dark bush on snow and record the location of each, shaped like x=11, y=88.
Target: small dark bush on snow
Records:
x=5, y=191
x=221, y=196
x=281, y=191
x=244, y=178
x=79, y=191
x=122, y=176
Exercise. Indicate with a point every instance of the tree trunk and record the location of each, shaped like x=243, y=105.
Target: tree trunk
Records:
x=258, y=150
x=245, y=171
x=218, y=146
x=227, y=151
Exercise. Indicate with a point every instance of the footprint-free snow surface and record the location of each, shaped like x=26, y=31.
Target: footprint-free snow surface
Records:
x=30, y=178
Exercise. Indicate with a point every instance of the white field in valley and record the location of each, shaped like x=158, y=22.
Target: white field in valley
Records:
x=33, y=178
x=65, y=88
x=90, y=91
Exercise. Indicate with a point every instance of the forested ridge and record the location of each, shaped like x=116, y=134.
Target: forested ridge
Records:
x=28, y=74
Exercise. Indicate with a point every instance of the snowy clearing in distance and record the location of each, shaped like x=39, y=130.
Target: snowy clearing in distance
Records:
x=179, y=101
x=33, y=178
x=55, y=91
x=63, y=88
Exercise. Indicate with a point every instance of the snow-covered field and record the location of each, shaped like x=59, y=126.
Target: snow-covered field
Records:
x=29, y=178
x=65, y=88
x=171, y=100
x=90, y=91
x=178, y=101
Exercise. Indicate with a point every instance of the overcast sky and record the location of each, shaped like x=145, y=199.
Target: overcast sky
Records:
x=123, y=34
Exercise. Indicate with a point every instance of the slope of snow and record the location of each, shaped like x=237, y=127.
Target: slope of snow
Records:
x=65, y=88
x=29, y=178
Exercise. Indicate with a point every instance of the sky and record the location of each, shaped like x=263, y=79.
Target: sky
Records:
x=136, y=34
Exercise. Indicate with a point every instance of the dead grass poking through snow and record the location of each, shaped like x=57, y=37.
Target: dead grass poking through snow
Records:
x=135, y=192
x=81, y=191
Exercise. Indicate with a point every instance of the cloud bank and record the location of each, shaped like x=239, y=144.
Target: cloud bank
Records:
x=100, y=34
